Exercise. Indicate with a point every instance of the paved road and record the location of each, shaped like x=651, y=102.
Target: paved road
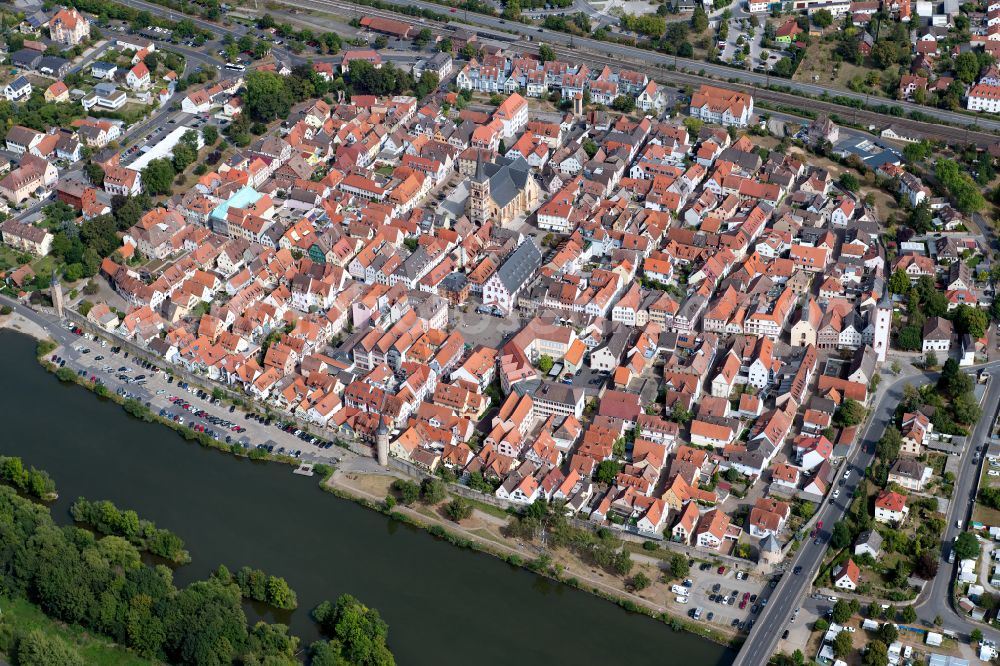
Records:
x=938, y=597
x=790, y=592
x=102, y=363
x=49, y=322
x=236, y=30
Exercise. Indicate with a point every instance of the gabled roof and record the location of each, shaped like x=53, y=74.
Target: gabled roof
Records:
x=520, y=266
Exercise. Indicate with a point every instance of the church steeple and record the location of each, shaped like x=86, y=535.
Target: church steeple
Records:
x=479, y=193
x=480, y=176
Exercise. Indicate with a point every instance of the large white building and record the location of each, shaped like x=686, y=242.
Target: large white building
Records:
x=984, y=98
x=718, y=105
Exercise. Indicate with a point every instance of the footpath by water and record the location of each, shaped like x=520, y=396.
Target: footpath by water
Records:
x=444, y=605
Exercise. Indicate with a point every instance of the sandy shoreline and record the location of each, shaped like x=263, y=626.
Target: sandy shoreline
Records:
x=21, y=324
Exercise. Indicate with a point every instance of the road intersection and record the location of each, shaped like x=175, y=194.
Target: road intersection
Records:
x=792, y=589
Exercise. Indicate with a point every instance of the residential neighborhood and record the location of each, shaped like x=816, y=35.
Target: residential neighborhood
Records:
x=679, y=315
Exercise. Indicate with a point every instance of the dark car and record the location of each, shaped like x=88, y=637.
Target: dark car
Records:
x=784, y=635
x=797, y=570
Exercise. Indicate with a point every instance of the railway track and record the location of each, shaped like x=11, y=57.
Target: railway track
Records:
x=663, y=71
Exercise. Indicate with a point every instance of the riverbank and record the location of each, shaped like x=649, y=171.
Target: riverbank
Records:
x=20, y=324
x=482, y=532
x=486, y=541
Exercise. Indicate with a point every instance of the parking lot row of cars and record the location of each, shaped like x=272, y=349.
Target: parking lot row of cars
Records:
x=183, y=409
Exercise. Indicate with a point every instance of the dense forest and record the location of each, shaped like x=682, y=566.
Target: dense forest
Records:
x=101, y=583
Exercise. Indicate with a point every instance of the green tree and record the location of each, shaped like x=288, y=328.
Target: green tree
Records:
x=624, y=103
x=841, y=535
x=204, y=623
x=607, y=470
x=967, y=67
x=209, y=135
x=784, y=68
x=899, y=283
x=843, y=645
x=65, y=375
x=888, y=633
x=267, y=97
x=409, y=492
x=183, y=156
x=143, y=626
x=849, y=181
x=36, y=648
x=876, y=654
x=909, y=338
x=423, y=38
x=546, y=53
x=822, y=18
x=885, y=53
x=976, y=635
x=699, y=20
x=432, y=490
x=157, y=177
x=966, y=546
x=921, y=218
x=545, y=363
x=916, y=152
x=908, y=614
x=357, y=634
x=639, y=582
x=971, y=320
x=679, y=565
x=95, y=174
x=458, y=509
x=280, y=594
x=889, y=444
x=842, y=611
x=850, y=413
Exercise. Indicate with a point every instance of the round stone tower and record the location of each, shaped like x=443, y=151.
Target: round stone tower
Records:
x=382, y=444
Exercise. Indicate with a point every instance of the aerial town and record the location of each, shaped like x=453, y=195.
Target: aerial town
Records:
x=750, y=341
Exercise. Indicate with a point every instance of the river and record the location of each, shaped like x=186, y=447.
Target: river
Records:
x=444, y=605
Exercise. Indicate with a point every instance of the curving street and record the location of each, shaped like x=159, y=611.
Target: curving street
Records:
x=792, y=589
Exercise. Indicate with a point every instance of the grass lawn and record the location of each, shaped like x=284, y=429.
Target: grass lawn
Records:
x=983, y=513
x=41, y=265
x=818, y=61
x=488, y=508
x=95, y=650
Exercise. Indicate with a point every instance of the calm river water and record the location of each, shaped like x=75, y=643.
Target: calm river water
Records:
x=443, y=605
